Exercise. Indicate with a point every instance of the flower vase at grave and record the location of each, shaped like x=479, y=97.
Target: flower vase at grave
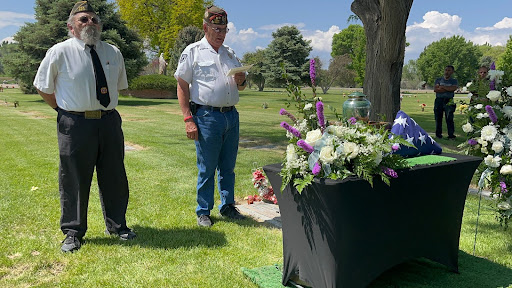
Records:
x=357, y=106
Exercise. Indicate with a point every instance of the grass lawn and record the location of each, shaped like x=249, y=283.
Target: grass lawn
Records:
x=170, y=250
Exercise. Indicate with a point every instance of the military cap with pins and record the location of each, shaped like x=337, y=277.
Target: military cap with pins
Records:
x=81, y=6
x=216, y=15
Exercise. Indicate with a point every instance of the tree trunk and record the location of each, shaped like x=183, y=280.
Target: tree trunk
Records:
x=384, y=23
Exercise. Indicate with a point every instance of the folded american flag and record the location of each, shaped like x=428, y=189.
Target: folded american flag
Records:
x=408, y=129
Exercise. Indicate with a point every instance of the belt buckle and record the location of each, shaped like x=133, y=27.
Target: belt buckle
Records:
x=224, y=109
x=93, y=114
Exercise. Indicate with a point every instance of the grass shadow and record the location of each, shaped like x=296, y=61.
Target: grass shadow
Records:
x=167, y=238
x=125, y=101
x=473, y=272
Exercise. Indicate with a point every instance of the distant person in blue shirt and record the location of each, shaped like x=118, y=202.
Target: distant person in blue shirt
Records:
x=444, y=88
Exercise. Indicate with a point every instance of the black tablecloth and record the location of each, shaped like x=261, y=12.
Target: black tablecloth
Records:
x=346, y=233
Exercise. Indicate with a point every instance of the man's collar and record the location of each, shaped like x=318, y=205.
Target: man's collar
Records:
x=206, y=44
x=82, y=43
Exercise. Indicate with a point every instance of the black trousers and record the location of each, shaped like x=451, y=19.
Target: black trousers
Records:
x=440, y=108
x=85, y=145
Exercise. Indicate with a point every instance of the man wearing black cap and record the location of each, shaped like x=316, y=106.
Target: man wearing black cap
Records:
x=207, y=97
x=80, y=78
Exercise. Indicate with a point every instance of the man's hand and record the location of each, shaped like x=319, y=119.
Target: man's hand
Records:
x=191, y=128
x=240, y=78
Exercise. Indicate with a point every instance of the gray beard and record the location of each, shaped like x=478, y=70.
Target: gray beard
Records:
x=90, y=35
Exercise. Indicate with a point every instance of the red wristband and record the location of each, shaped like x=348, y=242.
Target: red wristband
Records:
x=187, y=118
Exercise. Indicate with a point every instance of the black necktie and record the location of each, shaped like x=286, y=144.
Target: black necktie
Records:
x=101, y=82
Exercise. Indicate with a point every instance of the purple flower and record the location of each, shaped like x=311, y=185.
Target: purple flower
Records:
x=352, y=120
x=286, y=113
x=395, y=147
x=492, y=85
x=308, y=148
x=493, y=66
x=312, y=71
x=472, y=142
x=390, y=172
x=316, y=169
x=503, y=187
x=320, y=114
x=291, y=129
x=491, y=114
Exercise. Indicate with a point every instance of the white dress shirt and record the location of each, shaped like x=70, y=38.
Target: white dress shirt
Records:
x=205, y=70
x=67, y=71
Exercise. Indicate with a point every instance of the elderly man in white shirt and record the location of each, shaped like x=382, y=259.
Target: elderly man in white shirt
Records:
x=207, y=97
x=80, y=78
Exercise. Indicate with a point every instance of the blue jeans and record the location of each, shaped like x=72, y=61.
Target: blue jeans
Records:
x=216, y=150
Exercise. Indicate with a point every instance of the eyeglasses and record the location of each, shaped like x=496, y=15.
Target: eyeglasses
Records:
x=219, y=30
x=85, y=19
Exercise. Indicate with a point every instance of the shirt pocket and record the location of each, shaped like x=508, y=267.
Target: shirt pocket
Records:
x=205, y=71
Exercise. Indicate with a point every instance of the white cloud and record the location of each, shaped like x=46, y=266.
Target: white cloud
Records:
x=506, y=23
x=14, y=19
x=322, y=40
x=8, y=40
x=436, y=22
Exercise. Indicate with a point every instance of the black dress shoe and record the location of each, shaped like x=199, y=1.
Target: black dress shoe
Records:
x=125, y=234
x=71, y=244
x=204, y=221
x=230, y=211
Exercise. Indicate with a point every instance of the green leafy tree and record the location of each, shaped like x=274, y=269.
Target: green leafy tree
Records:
x=490, y=54
x=288, y=50
x=351, y=41
x=34, y=39
x=505, y=63
x=411, y=76
x=456, y=51
x=255, y=75
x=160, y=21
x=186, y=36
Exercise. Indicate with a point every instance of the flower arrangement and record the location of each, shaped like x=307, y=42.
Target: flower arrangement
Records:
x=266, y=192
x=335, y=150
x=489, y=130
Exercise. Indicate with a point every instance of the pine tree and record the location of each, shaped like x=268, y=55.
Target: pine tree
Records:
x=34, y=39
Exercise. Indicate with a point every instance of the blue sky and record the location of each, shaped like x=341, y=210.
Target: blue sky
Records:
x=252, y=22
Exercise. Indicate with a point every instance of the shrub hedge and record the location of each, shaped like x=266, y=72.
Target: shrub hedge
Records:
x=153, y=81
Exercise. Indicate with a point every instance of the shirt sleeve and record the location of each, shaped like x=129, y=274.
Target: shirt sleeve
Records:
x=45, y=76
x=122, y=81
x=184, y=70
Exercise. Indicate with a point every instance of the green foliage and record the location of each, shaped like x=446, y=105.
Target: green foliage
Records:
x=505, y=63
x=160, y=21
x=289, y=50
x=186, y=36
x=490, y=54
x=456, y=51
x=153, y=81
x=411, y=76
x=351, y=41
x=34, y=39
x=255, y=75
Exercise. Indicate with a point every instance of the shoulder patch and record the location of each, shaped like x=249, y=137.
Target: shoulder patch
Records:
x=183, y=58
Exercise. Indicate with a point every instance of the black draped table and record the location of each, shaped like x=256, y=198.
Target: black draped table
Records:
x=346, y=233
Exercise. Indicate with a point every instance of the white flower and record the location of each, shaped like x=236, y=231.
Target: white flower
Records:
x=479, y=106
x=507, y=110
x=497, y=146
x=328, y=154
x=494, y=95
x=504, y=206
x=492, y=161
x=489, y=132
x=506, y=169
x=509, y=91
x=484, y=150
x=308, y=106
x=495, y=75
x=350, y=149
x=313, y=136
x=482, y=115
x=469, y=96
x=291, y=156
x=469, y=84
x=467, y=128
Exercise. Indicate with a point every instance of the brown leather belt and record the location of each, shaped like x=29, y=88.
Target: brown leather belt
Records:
x=96, y=114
